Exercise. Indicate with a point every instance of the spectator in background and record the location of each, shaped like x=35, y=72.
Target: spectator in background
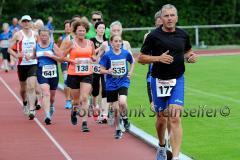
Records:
x=50, y=26
x=5, y=36
x=96, y=16
x=15, y=26
x=76, y=17
x=49, y=23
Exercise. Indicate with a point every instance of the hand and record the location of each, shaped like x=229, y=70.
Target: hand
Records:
x=27, y=57
x=19, y=54
x=110, y=71
x=93, y=59
x=191, y=57
x=129, y=75
x=165, y=58
x=47, y=54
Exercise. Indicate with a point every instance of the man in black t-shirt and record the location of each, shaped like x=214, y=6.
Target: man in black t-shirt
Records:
x=167, y=47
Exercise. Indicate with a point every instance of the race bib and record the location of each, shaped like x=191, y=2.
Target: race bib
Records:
x=96, y=68
x=119, y=67
x=49, y=71
x=164, y=87
x=83, y=65
x=4, y=44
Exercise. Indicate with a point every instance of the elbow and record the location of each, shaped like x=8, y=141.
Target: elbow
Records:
x=140, y=59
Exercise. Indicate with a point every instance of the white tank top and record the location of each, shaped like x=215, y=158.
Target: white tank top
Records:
x=26, y=46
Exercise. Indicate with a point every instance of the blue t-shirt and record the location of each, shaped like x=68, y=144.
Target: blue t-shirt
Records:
x=50, y=26
x=4, y=38
x=120, y=69
x=43, y=60
x=14, y=28
x=149, y=72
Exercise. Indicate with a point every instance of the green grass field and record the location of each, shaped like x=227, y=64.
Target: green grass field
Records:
x=213, y=82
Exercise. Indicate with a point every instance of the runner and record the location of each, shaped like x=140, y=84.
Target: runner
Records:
x=47, y=54
x=99, y=103
x=64, y=65
x=158, y=23
x=81, y=52
x=116, y=29
x=96, y=16
x=37, y=25
x=26, y=42
x=15, y=26
x=5, y=36
x=167, y=82
x=114, y=64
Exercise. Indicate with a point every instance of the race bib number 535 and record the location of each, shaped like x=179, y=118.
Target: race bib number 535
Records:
x=164, y=87
x=119, y=67
x=49, y=71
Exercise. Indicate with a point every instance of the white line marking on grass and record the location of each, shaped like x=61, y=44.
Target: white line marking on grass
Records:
x=60, y=148
x=213, y=95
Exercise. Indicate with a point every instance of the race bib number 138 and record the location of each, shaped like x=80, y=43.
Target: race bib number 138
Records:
x=83, y=66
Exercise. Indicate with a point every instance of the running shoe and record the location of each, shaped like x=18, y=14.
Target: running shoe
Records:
x=84, y=127
x=118, y=134
x=169, y=155
x=110, y=119
x=25, y=108
x=102, y=119
x=47, y=120
x=74, y=113
x=68, y=104
x=126, y=124
x=161, y=153
x=31, y=114
x=121, y=125
x=37, y=106
x=95, y=115
x=52, y=110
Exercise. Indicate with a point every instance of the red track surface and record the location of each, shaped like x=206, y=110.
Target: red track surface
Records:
x=218, y=52
x=22, y=139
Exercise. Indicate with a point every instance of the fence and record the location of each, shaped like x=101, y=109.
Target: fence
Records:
x=195, y=27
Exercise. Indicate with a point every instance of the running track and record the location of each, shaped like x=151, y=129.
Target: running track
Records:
x=23, y=139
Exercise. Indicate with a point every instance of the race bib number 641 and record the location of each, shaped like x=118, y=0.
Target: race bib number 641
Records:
x=49, y=71
x=164, y=87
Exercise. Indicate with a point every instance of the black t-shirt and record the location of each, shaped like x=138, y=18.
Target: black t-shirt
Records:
x=158, y=42
x=96, y=43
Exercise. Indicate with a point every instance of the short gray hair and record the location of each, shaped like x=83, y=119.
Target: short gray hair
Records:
x=44, y=29
x=157, y=14
x=168, y=6
x=115, y=23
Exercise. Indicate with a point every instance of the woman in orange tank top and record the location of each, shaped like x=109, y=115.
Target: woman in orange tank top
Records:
x=81, y=52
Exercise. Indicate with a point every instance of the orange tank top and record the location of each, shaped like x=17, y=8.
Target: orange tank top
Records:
x=83, y=56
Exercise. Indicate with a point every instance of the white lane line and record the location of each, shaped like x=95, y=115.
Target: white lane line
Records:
x=60, y=148
x=213, y=95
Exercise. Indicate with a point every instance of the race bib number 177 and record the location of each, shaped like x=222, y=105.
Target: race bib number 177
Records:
x=164, y=87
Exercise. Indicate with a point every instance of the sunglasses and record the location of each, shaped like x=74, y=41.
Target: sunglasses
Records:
x=96, y=19
x=25, y=20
